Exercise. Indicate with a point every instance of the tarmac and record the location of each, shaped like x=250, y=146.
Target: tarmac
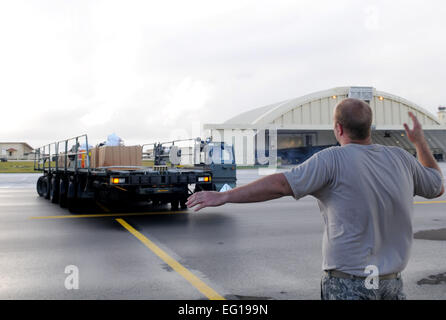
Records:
x=269, y=250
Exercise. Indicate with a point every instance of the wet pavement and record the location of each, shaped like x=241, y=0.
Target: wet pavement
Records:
x=268, y=250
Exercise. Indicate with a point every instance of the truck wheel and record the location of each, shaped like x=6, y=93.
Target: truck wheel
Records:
x=174, y=204
x=71, y=195
x=46, y=187
x=155, y=203
x=39, y=186
x=54, y=192
x=183, y=204
x=63, y=187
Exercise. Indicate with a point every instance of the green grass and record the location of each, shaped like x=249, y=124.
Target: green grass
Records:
x=17, y=167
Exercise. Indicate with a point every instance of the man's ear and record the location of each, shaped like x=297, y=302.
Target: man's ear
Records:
x=339, y=129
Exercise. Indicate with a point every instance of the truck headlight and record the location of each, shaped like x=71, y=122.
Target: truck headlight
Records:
x=117, y=180
x=204, y=179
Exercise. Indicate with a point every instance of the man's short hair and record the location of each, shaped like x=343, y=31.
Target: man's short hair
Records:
x=355, y=116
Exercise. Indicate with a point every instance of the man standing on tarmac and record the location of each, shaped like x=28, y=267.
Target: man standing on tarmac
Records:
x=365, y=193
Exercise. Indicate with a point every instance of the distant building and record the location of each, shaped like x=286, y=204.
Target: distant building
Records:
x=304, y=125
x=16, y=151
x=442, y=114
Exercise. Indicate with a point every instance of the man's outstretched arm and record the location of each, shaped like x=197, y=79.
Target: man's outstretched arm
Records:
x=267, y=188
x=416, y=136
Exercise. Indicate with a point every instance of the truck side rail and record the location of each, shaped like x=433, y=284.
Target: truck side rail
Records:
x=66, y=152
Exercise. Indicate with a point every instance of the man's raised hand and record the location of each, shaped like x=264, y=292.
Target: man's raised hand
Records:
x=415, y=135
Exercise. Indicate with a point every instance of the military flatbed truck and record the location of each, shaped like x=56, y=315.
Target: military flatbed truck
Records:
x=68, y=179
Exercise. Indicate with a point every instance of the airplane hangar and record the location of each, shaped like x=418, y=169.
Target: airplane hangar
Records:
x=304, y=125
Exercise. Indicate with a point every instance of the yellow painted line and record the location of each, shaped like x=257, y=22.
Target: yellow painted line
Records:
x=175, y=265
x=104, y=208
x=428, y=202
x=103, y=215
x=120, y=188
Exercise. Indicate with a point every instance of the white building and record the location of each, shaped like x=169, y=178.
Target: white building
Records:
x=305, y=125
x=16, y=150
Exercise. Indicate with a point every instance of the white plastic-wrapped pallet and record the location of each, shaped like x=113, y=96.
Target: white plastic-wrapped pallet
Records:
x=114, y=140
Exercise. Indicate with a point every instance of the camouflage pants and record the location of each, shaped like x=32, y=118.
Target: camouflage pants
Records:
x=333, y=288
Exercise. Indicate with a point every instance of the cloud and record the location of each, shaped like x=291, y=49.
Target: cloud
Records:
x=144, y=69
x=189, y=96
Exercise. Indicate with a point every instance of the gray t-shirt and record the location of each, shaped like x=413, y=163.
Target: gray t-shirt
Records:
x=365, y=194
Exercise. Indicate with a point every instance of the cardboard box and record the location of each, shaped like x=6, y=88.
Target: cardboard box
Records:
x=119, y=156
x=61, y=161
x=94, y=157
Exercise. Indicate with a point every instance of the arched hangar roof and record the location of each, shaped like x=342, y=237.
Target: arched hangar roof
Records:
x=317, y=109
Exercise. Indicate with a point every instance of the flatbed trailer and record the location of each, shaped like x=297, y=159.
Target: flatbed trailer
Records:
x=68, y=179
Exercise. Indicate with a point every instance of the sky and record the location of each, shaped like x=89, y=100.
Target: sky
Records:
x=154, y=70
